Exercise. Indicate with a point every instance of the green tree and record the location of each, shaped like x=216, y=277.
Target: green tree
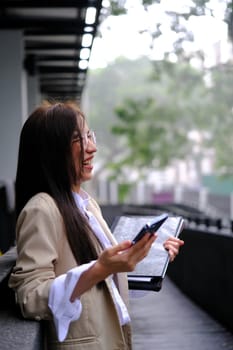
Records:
x=155, y=130
x=107, y=87
x=205, y=114
x=178, y=21
x=154, y=117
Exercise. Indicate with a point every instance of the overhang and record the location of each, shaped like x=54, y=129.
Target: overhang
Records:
x=58, y=38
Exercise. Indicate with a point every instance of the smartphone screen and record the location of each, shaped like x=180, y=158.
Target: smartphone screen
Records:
x=152, y=228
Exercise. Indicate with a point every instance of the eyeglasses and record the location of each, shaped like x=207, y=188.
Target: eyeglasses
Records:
x=86, y=137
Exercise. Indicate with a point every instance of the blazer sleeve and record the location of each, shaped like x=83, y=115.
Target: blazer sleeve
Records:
x=38, y=233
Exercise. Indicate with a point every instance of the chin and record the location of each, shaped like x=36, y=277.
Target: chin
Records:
x=86, y=177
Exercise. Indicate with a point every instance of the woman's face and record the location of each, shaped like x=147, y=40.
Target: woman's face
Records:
x=89, y=149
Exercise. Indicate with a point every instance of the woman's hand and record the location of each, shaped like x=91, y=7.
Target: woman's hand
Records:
x=124, y=256
x=121, y=258
x=172, y=245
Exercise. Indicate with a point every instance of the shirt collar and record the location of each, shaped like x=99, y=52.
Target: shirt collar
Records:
x=81, y=199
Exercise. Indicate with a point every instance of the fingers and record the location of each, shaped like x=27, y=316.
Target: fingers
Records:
x=173, y=241
x=140, y=250
x=124, y=256
x=172, y=245
x=120, y=247
x=173, y=251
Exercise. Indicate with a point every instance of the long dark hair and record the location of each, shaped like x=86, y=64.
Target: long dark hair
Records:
x=45, y=164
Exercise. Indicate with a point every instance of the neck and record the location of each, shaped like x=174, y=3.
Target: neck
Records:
x=76, y=188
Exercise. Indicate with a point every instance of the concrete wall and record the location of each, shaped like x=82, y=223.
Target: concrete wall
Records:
x=13, y=100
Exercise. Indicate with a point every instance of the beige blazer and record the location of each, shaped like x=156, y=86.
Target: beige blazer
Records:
x=44, y=254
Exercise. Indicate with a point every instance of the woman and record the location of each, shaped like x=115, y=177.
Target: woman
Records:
x=69, y=267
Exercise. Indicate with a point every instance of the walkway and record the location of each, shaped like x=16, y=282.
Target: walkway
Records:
x=168, y=320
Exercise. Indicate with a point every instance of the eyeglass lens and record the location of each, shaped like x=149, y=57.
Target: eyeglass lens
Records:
x=89, y=136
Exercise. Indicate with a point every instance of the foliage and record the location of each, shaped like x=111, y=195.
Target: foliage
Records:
x=155, y=109
x=178, y=21
x=207, y=104
x=156, y=129
x=107, y=87
x=153, y=115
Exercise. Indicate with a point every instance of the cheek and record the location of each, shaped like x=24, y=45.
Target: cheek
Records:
x=76, y=155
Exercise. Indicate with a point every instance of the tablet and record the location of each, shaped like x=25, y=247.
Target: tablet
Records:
x=150, y=272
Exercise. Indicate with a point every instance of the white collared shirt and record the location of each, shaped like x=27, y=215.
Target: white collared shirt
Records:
x=64, y=312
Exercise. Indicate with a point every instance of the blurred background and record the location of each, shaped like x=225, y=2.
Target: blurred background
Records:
x=154, y=79
x=159, y=96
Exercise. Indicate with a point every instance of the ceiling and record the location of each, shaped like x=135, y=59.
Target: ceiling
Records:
x=58, y=38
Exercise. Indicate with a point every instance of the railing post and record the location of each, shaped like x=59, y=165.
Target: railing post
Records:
x=140, y=190
x=113, y=192
x=231, y=206
x=203, y=199
x=103, y=191
x=178, y=194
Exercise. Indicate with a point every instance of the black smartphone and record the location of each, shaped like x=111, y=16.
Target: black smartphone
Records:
x=152, y=228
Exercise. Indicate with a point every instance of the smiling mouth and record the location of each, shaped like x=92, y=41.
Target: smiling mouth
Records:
x=87, y=162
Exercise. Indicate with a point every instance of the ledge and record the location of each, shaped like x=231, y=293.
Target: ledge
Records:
x=16, y=332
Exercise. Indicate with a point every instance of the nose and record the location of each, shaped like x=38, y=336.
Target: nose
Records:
x=91, y=146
